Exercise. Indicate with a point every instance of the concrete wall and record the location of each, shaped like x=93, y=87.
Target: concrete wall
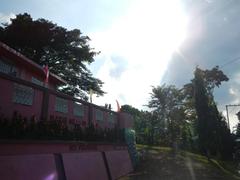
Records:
x=7, y=106
x=59, y=161
x=71, y=118
x=43, y=105
x=88, y=165
x=24, y=167
x=105, y=123
x=119, y=163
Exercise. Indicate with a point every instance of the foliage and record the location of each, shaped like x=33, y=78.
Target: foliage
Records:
x=213, y=132
x=22, y=128
x=65, y=52
x=211, y=79
x=186, y=118
x=238, y=130
x=166, y=123
x=140, y=123
x=167, y=102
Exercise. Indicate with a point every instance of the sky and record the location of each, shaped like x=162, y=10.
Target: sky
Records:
x=147, y=43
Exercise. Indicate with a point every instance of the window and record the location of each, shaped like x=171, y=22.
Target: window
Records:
x=7, y=68
x=99, y=115
x=78, y=110
x=61, y=105
x=36, y=81
x=23, y=94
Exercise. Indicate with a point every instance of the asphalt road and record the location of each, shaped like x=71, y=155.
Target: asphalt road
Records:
x=165, y=165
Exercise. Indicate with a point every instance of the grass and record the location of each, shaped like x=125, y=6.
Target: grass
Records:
x=194, y=156
x=158, y=148
x=226, y=167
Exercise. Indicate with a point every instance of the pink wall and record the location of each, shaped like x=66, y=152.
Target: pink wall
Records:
x=27, y=75
x=105, y=123
x=23, y=167
x=50, y=161
x=8, y=106
x=75, y=166
x=51, y=147
x=25, y=70
x=89, y=166
x=70, y=117
x=126, y=120
x=6, y=98
x=119, y=163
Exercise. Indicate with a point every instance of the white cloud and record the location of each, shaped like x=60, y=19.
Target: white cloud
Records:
x=145, y=37
x=5, y=18
x=234, y=92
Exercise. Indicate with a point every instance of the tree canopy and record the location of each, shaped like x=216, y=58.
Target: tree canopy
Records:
x=186, y=117
x=214, y=135
x=66, y=52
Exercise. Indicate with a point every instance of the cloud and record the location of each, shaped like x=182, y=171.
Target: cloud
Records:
x=213, y=39
x=234, y=99
x=120, y=65
x=137, y=49
x=5, y=18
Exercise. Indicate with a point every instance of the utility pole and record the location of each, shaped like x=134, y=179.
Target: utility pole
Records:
x=230, y=105
x=227, y=116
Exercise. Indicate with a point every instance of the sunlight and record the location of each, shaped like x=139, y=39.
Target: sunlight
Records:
x=145, y=37
x=153, y=29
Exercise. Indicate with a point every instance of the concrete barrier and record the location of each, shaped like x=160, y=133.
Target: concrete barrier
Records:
x=63, y=161
x=84, y=166
x=119, y=163
x=24, y=167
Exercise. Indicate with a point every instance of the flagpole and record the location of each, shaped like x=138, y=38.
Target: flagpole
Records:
x=90, y=94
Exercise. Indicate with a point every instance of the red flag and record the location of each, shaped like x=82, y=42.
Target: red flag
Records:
x=46, y=71
x=118, y=106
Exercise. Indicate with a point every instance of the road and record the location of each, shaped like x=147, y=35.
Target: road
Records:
x=164, y=165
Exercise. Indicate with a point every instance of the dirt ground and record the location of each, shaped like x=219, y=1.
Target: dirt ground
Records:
x=164, y=165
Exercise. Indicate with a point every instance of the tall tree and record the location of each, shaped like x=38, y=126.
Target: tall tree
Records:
x=211, y=79
x=66, y=52
x=211, y=127
x=167, y=102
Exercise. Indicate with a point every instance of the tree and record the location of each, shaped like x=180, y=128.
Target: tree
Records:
x=211, y=126
x=211, y=79
x=65, y=52
x=167, y=102
x=141, y=124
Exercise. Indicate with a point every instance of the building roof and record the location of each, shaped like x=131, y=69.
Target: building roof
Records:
x=19, y=58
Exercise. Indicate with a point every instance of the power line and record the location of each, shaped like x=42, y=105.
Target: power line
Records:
x=230, y=105
x=230, y=62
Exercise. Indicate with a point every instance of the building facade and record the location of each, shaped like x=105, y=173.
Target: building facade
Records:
x=23, y=90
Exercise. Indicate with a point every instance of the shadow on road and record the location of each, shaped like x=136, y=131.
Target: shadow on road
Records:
x=166, y=165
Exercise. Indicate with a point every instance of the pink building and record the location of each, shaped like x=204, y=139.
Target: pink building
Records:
x=23, y=90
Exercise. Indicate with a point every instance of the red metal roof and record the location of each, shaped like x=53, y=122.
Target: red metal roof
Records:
x=19, y=58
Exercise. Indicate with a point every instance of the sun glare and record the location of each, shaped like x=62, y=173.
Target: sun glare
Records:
x=145, y=37
x=155, y=28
